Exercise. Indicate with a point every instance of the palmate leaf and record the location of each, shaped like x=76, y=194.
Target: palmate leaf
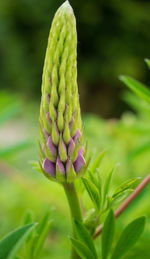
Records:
x=82, y=250
x=141, y=90
x=92, y=191
x=108, y=234
x=129, y=237
x=12, y=243
x=97, y=161
x=129, y=184
x=84, y=236
x=107, y=185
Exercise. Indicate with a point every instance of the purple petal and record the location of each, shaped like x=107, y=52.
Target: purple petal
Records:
x=71, y=147
x=79, y=163
x=60, y=165
x=51, y=146
x=77, y=135
x=44, y=149
x=81, y=151
x=49, y=167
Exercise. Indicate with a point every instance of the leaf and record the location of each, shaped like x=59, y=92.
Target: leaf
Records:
x=81, y=249
x=42, y=231
x=12, y=243
x=97, y=161
x=92, y=191
x=28, y=218
x=129, y=237
x=147, y=62
x=106, y=185
x=108, y=234
x=137, y=87
x=84, y=236
x=129, y=184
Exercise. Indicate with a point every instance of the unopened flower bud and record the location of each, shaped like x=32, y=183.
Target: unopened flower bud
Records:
x=62, y=153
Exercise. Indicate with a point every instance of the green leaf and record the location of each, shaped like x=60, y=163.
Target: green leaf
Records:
x=107, y=185
x=84, y=236
x=137, y=88
x=28, y=218
x=92, y=191
x=82, y=250
x=97, y=161
x=147, y=62
x=42, y=231
x=129, y=184
x=12, y=243
x=129, y=237
x=108, y=234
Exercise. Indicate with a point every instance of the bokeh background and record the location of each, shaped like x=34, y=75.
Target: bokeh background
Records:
x=113, y=39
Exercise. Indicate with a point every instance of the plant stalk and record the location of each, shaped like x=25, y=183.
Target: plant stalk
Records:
x=75, y=209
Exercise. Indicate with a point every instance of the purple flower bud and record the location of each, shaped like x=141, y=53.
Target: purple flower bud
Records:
x=51, y=146
x=60, y=165
x=71, y=147
x=49, y=167
x=61, y=151
x=77, y=135
x=80, y=162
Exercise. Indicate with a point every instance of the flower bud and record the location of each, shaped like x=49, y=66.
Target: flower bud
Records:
x=61, y=129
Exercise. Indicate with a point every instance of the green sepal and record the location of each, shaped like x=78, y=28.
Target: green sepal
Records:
x=42, y=135
x=74, y=154
x=59, y=176
x=60, y=121
x=66, y=133
x=72, y=174
x=55, y=136
x=52, y=111
x=47, y=84
x=47, y=125
x=42, y=155
x=54, y=95
x=62, y=151
x=49, y=154
x=61, y=105
x=74, y=125
x=45, y=102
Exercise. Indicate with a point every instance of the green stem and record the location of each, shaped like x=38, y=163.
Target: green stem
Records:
x=75, y=210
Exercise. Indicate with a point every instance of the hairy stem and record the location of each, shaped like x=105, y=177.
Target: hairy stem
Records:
x=74, y=206
x=125, y=204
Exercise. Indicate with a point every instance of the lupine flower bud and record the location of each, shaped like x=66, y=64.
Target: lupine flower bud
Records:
x=62, y=152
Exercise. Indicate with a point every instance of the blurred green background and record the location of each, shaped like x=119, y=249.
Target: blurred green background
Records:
x=113, y=39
